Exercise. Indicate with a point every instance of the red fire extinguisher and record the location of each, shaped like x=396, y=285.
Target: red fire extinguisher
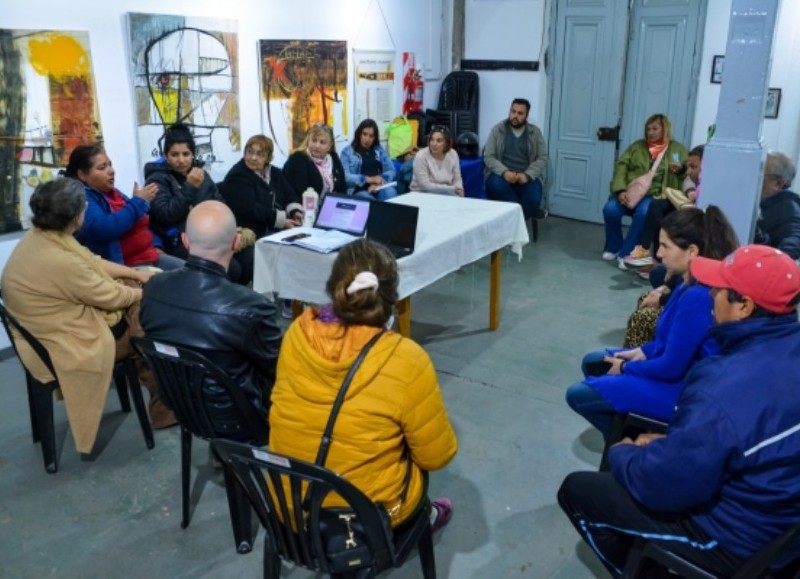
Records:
x=413, y=92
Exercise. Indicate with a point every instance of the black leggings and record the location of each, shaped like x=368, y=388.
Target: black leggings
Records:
x=658, y=210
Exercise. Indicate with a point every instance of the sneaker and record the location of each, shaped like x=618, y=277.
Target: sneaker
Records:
x=541, y=214
x=286, y=310
x=644, y=274
x=621, y=264
x=443, y=509
x=639, y=256
x=608, y=256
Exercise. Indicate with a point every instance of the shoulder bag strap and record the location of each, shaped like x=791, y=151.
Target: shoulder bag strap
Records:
x=322, y=454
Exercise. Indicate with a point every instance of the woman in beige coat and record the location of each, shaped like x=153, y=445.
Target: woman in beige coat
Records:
x=73, y=302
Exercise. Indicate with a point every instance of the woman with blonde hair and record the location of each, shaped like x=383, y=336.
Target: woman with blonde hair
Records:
x=635, y=162
x=392, y=425
x=315, y=164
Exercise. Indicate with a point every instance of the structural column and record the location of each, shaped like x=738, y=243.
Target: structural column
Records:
x=733, y=159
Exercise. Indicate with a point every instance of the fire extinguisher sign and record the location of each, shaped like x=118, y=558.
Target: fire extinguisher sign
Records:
x=413, y=85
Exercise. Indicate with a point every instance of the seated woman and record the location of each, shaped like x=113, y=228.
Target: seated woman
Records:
x=635, y=162
x=183, y=183
x=115, y=227
x=257, y=192
x=69, y=299
x=647, y=380
x=436, y=167
x=367, y=165
x=393, y=425
x=315, y=164
x=642, y=255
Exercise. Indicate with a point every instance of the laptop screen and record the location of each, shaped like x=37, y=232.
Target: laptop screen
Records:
x=393, y=224
x=346, y=214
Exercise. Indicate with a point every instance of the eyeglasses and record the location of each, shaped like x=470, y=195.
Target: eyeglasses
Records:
x=322, y=126
x=256, y=153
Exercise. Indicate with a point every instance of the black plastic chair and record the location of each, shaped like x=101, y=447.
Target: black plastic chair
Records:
x=630, y=425
x=295, y=534
x=40, y=395
x=757, y=567
x=180, y=374
x=458, y=107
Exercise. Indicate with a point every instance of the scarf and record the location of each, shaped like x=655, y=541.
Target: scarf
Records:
x=656, y=148
x=68, y=243
x=265, y=173
x=325, y=168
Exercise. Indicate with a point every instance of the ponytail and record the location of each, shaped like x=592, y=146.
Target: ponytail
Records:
x=719, y=238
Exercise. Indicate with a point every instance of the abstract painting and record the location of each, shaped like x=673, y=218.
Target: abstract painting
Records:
x=49, y=104
x=186, y=70
x=303, y=82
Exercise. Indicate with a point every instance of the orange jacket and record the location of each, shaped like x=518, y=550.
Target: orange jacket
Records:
x=394, y=401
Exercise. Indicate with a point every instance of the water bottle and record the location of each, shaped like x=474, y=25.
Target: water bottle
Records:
x=310, y=201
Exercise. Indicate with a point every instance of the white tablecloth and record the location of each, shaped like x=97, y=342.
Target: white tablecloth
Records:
x=452, y=232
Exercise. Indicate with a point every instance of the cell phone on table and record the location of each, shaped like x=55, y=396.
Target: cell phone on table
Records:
x=295, y=237
x=598, y=368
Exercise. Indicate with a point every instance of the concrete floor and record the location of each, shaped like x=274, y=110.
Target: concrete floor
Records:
x=118, y=514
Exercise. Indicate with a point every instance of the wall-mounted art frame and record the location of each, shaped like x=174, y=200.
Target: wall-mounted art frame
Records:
x=772, y=104
x=716, y=68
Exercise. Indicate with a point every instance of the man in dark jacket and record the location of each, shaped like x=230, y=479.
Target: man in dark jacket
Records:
x=198, y=307
x=725, y=479
x=779, y=222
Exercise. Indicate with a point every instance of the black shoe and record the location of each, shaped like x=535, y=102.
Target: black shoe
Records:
x=541, y=214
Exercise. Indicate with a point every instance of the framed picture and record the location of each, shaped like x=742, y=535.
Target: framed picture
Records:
x=716, y=68
x=773, y=103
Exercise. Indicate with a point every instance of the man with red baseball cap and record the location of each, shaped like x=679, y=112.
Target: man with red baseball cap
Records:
x=725, y=479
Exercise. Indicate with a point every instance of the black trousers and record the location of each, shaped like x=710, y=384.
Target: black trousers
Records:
x=658, y=210
x=609, y=520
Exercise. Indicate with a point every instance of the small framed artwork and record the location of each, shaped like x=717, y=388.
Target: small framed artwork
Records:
x=773, y=103
x=716, y=68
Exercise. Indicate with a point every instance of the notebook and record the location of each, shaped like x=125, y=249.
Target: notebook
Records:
x=393, y=225
x=343, y=213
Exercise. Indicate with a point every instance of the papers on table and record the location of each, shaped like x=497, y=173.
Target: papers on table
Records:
x=319, y=240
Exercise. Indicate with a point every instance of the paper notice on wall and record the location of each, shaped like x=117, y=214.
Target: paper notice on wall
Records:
x=374, y=86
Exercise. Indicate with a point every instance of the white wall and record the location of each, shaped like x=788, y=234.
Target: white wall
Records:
x=420, y=26
x=515, y=29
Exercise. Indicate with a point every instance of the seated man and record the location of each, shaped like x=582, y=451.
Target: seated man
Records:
x=515, y=159
x=198, y=307
x=779, y=222
x=725, y=480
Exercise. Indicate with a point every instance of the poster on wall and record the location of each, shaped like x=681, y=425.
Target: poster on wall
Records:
x=49, y=106
x=303, y=83
x=186, y=69
x=374, y=86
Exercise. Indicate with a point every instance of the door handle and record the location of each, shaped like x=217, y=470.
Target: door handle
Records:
x=608, y=133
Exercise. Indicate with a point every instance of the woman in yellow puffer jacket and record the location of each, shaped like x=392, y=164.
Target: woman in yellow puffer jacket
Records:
x=393, y=402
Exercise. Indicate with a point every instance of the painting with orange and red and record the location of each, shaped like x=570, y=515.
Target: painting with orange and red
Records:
x=303, y=82
x=48, y=93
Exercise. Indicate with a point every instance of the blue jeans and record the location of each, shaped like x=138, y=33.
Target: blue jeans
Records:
x=382, y=195
x=585, y=400
x=528, y=195
x=613, y=212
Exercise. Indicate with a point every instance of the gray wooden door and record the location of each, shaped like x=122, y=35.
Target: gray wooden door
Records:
x=613, y=66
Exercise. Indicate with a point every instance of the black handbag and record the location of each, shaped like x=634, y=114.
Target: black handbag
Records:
x=343, y=534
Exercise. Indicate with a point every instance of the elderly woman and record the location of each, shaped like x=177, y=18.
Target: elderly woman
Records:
x=258, y=193
x=393, y=425
x=315, y=164
x=182, y=183
x=71, y=301
x=367, y=166
x=648, y=379
x=115, y=227
x=436, y=167
x=637, y=160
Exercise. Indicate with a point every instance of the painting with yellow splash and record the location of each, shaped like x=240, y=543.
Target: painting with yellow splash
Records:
x=186, y=69
x=49, y=105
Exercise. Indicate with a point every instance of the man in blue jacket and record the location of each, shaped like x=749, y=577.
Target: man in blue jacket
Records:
x=725, y=479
